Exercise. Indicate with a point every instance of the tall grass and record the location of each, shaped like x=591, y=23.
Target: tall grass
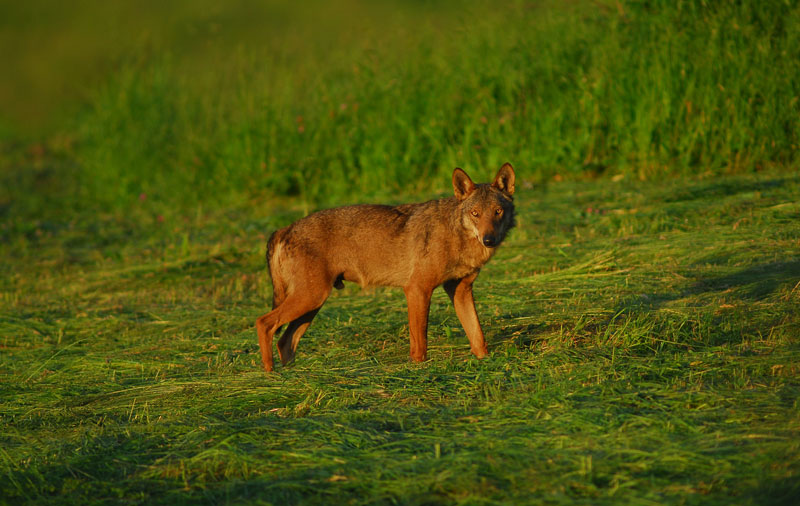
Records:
x=346, y=105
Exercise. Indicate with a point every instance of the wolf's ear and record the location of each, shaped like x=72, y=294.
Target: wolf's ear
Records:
x=504, y=180
x=462, y=184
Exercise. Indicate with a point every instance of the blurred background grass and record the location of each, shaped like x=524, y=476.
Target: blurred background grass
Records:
x=177, y=105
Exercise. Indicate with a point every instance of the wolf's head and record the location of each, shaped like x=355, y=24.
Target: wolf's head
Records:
x=487, y=210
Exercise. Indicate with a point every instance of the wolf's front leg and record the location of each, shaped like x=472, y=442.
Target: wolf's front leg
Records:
x=419, y=303
x=460, y=292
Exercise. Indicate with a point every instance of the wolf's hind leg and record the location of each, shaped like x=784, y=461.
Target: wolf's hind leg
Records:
x=292, y=308
x=287, y=344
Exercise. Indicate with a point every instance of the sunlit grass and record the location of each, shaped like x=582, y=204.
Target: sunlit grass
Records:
x=643, y=339
x=642, y=318
x=333, y=104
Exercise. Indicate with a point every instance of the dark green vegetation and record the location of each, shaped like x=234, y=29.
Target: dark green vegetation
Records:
x=324, y=104
x=643, y=318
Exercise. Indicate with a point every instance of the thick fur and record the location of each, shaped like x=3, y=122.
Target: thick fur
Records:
x=414, y=246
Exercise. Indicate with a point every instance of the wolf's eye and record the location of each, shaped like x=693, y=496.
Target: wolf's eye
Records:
x=499, y=211
x=475, y=213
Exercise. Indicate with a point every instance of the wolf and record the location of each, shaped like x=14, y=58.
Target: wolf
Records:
x=417, y=247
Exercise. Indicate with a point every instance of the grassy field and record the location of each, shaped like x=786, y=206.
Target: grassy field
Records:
x=643, y=319
x=220, y=106
x=644, y=349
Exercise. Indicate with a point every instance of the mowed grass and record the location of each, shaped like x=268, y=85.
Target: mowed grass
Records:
x=642, y=318
x=643, y=338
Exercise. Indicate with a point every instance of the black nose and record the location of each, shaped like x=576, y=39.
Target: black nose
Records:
x=489, y=240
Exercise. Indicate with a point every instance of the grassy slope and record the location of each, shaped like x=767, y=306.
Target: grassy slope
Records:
x=222, y=105
x=643, y=336
x=644, y=345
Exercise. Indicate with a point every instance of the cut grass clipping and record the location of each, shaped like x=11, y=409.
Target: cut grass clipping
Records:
x=643, y=338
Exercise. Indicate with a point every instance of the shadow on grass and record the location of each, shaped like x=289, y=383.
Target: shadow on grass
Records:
x=782, y=492
x=725, y=188
x=753, y=283
x=726, y=317
x=100, y=468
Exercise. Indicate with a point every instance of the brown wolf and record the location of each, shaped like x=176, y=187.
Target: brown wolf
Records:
x=414, y=246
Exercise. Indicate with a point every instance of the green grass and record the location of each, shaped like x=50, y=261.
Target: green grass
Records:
x=225, y=105
x=642, y=319
x=644, y=349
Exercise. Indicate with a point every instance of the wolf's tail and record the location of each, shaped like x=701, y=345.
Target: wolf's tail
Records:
x=278, y=284
x=271, y=250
